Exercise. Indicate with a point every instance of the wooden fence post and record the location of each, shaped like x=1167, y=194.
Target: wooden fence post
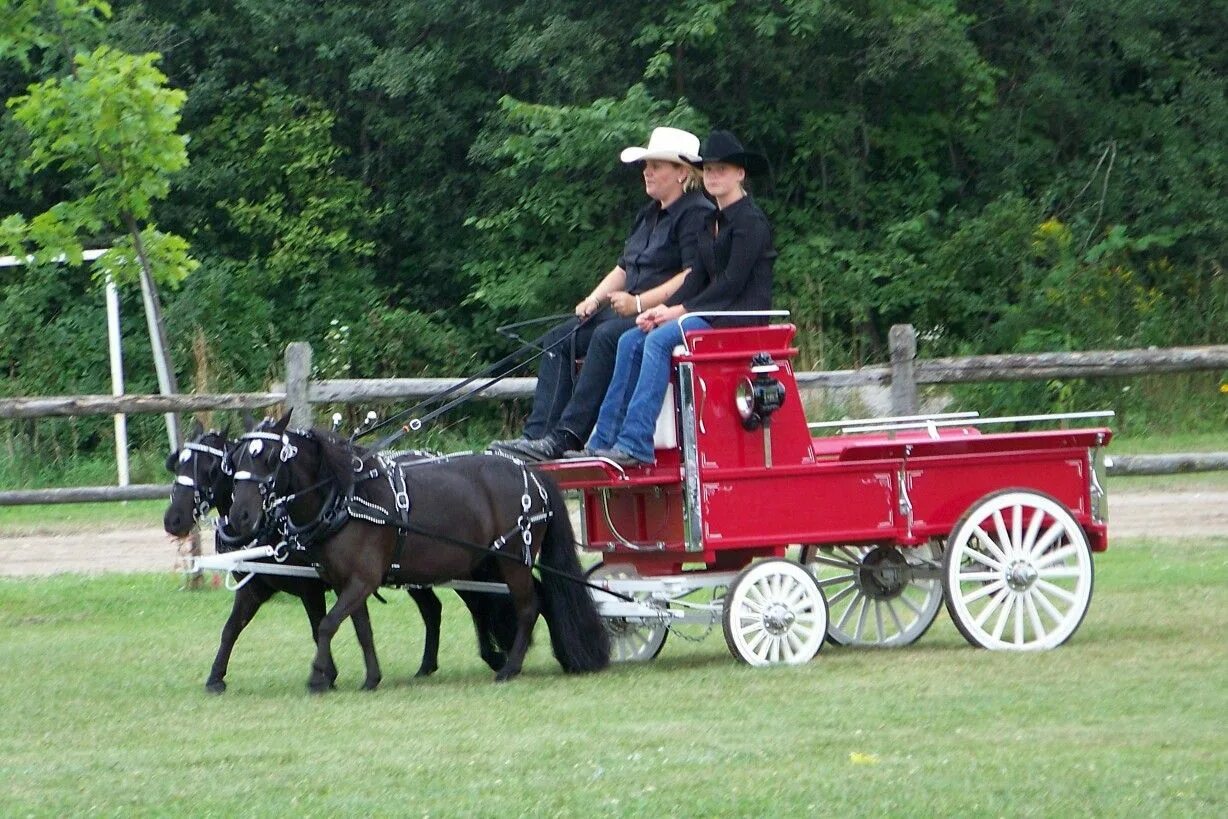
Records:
x=298, y=374
x=903, y=343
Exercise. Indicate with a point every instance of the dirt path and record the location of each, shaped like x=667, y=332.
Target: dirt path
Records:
x=1155, y=514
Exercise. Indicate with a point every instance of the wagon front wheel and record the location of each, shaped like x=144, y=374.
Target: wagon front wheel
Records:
x=1017, y=572
x=775, y=614
x=632, y=640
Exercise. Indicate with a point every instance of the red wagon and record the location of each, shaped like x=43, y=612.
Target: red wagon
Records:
x=886, y=519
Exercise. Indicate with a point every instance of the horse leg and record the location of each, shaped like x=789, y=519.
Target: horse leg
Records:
x=430, y=609
x=248, y=600
x=524, y=599
x=349, y=599
x=311, y=595
x=362, y=628
x=481, y=610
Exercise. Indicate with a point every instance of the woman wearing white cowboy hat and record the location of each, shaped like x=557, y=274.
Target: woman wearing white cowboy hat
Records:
x=732, y=272
x=655, y=259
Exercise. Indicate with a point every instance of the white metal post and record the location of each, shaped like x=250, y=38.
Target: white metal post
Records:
x=117, y=381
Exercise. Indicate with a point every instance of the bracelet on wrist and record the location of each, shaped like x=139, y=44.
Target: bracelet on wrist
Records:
x=638, y=308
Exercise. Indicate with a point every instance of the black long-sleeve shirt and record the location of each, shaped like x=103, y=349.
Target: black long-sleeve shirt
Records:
x=734, y=265
x=663, y=241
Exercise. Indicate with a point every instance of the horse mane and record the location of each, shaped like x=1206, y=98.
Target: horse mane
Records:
x=337, y=456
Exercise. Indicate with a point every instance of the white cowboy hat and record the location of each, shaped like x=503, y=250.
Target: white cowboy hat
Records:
x=670, y=144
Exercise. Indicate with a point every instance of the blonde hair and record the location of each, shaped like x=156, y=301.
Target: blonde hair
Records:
x=694, y=178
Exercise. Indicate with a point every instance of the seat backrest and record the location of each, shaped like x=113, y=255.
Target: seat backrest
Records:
x=665, y=436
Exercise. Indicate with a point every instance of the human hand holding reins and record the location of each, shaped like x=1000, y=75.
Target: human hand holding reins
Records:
x=587, y=307
x=624, y=303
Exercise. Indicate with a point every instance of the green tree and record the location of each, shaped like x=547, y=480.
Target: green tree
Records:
x=111, y=127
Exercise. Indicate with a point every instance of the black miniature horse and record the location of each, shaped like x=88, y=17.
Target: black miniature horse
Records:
x=461, y=510
x=201, y=484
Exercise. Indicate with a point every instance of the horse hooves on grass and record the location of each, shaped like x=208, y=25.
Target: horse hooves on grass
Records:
x=215, y=687
x=319, y=686
x=504, y=675
x=370, y=685
x=426, y=672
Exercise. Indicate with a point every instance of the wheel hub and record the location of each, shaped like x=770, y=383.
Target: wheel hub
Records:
x=777, y=618
x=1021, y=575
x=883, y=574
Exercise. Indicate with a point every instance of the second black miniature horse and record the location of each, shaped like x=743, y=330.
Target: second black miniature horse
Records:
x=454, y=515
x=201, y=484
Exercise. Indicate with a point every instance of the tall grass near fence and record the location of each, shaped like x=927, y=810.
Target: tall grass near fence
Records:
x=104, y=712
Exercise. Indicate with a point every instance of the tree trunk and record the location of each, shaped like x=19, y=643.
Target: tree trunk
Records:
x=157, y=331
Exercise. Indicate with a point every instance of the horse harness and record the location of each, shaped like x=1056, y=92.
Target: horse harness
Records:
x=340, y=507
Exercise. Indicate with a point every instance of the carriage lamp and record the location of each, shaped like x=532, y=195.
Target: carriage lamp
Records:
x=759, y=396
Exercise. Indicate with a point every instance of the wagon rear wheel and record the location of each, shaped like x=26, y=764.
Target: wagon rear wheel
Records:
x=877, y=595
x=631, y=640
x=775, y=614
x=1017, y=572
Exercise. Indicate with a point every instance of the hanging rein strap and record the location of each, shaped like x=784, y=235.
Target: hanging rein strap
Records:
x=502, y=368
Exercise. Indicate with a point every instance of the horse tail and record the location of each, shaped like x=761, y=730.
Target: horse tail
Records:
x=577, y=635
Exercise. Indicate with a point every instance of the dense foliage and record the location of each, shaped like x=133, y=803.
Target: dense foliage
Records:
x=390, y=181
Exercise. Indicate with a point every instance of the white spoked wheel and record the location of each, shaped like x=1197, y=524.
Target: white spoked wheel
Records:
x=631, y=640
x=877, y=595
x=775, y=614
x=1018, y=572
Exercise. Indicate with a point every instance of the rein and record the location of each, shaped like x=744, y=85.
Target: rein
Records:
x=511, y=362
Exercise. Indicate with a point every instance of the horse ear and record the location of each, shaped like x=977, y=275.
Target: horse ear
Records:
x=283, y=422
x=248, y=420
x=172, y=460
x=225, y=433
x=197, y=429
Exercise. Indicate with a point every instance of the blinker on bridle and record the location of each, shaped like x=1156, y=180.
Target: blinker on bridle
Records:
x=255, y=445
x=202, y=495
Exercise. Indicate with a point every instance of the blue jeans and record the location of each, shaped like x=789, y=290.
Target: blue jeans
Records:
x=628, y=415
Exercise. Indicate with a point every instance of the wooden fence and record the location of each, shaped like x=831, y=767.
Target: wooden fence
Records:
x=903, y=375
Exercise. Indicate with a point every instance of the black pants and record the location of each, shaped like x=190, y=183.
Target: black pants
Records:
x=563, y=400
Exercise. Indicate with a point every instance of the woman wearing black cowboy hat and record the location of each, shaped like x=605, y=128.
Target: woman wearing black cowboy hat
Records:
x=733, y=272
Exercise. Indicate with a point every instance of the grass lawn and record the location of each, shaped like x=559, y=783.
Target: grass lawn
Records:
x=102, y=711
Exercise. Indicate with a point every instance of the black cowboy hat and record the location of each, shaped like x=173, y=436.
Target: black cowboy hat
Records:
x=723, y=146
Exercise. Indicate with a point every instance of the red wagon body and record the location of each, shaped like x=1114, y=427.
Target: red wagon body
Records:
x=877, y=510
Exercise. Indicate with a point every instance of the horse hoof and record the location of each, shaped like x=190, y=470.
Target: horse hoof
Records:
x=496, y=661
x=215, y=687
x=504, y=675
x=370, y=685
x=319, y=686
x=426, y=672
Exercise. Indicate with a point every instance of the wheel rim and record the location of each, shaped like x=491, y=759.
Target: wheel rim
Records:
x=1018, y=573
x=775, y=614
x=873, y=595
x=631, y=641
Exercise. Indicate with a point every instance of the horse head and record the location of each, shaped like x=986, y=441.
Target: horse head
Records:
x=258, y=466
x=199, y=482
x=305, y=470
